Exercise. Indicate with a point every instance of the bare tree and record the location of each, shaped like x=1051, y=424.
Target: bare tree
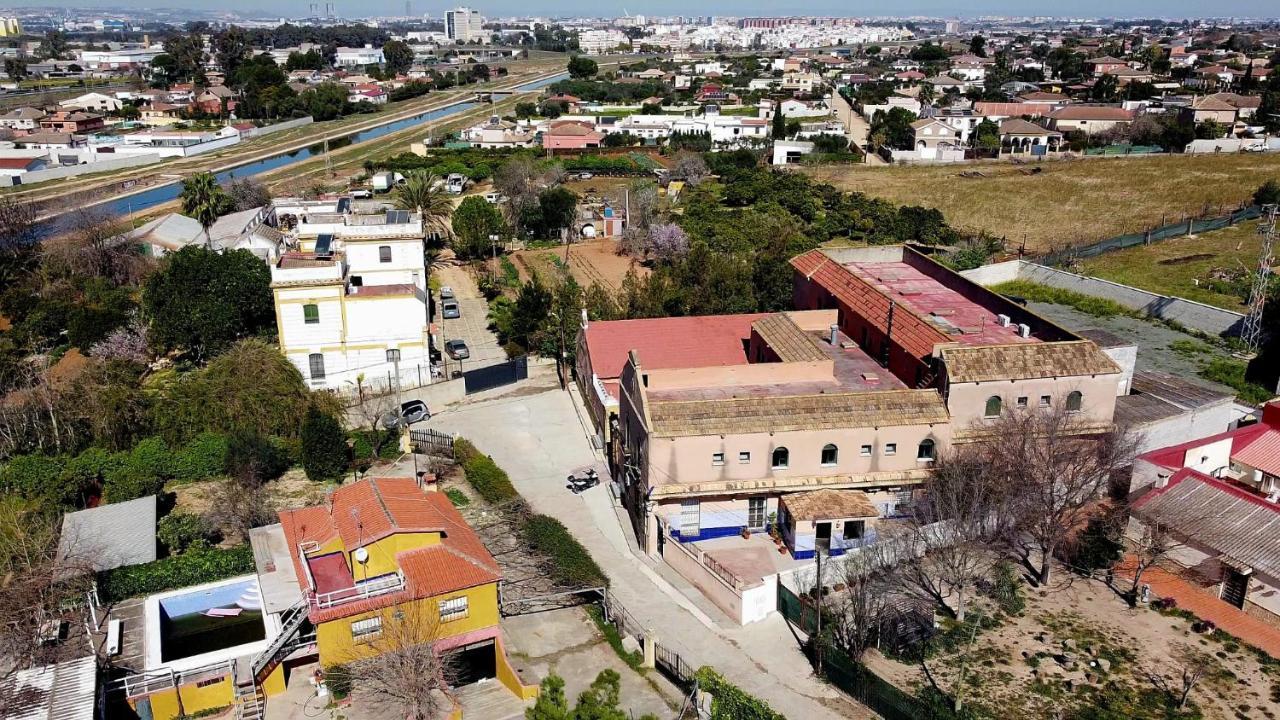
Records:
x=95, y=248
x=242, y=501
x=37, y=415
x=403, y=667
x=1192, y=667
x=1148, y=547
x=1055, y=466
x=690, y=166
x=951, y=533
x=41, y=587
x=858, y=613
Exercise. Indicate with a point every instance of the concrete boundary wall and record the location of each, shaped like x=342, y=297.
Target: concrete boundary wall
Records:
x=277, y=127
x=1189, y=313
x=54, y=173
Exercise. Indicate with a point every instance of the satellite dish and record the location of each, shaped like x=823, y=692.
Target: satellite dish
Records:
x=361, y=555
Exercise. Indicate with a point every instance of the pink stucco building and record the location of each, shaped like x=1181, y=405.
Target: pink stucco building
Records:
x=571, y=135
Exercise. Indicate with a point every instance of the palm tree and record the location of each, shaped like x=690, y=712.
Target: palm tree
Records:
x=204, y=200
x=423, y=193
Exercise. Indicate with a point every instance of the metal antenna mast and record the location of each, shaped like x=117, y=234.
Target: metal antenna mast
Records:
x=1251, y=333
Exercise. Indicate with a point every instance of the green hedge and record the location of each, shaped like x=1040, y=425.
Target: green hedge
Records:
x=571, y=564
x=732, y=702
x=1088, y=304
x=489, y=480
x=199, y=565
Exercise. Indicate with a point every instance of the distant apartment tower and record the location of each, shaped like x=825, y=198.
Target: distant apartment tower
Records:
x=10, y=27
x=464, y=24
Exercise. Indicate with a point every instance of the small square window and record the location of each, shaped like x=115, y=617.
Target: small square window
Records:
x=366, y=630
x=1046, y=401
x=717, y=458
x=1022, y=401
x=454, y=609
x=384, y=253
x=865, y=451
x=744, y=458
x=891, y=448
x=311, y=314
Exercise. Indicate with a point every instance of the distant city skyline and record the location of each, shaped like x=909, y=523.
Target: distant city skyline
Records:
x=498, y=8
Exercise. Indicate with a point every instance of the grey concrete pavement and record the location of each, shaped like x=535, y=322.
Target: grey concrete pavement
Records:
x=538, y=437
x=473, y=326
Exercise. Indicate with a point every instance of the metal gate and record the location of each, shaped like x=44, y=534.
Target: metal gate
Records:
x=493, y=376
x=670, y=663
x=432, y=442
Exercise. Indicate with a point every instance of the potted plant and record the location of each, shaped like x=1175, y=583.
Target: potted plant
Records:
x=746, y=533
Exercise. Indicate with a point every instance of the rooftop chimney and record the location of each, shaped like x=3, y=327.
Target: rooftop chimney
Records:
x=834, y=335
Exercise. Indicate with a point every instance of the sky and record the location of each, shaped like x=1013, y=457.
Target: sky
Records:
x=857, y=8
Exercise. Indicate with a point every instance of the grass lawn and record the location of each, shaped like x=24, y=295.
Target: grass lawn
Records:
x=1074, y=202
x=1205, y=268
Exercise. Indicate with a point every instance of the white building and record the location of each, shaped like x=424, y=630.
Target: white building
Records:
x=353, y=292
x=464, y=25
x=600, y=42
x=358, y=57
x=119, y=59
x=94, y=101
x=730, y=131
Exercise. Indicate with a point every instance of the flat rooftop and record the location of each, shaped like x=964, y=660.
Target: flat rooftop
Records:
x=852, y=371
x=963, y=319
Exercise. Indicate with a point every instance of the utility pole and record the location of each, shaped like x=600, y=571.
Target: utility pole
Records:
x=1252, y=332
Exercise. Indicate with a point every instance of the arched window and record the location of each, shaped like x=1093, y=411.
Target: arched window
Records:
x=781, y=457
x=1074, y=401
x=994, y=405
x=830, y=454
x=925, y=451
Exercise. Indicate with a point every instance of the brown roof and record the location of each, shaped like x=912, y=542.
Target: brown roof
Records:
x=1024, y=361
x=1091, y=112
x=829, y=505
x=787, y=340
x=824, y=411
x=1018, y=126
x=1042, y=97
x=1212, y=104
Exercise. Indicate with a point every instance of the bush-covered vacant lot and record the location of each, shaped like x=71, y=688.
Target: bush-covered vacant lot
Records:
x=1071, y=202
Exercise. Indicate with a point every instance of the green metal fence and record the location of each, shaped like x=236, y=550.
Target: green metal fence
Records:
x=1181, y=228
x=851, y=676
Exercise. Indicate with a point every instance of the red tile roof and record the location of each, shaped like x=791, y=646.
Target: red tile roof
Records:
x=1261, y=451
x=371, y=509
x=676, y=342
x=14, y=163
x=1256, y=445
x=1091, y=112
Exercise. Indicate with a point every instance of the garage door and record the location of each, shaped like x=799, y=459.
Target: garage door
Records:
x=474, y=663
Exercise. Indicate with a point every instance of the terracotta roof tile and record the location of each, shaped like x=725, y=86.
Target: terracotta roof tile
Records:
x=796, y=412
x=662, y=343
x=787, y=340
x=1025, y=361
x=829, y=505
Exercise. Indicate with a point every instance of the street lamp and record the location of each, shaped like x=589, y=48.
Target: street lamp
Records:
x=393, y=356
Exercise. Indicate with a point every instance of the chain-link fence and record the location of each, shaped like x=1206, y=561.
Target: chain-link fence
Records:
x=1181, y=228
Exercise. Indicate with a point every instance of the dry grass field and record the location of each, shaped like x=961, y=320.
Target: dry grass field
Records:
x=1073, y=202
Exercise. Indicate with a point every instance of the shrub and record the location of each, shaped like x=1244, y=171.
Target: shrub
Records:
x=571, y=565
x=338, y=679
x=1007, y=588
x=204, y=457
x=143, y=472
x=182, y=531
x=1035, y=292
x=1267, y=193
x=489, y=480
x=1099, y=546
x=732, y=702
x=198, y=565
x=35, y=476
x=324, y=446
x=249, y=452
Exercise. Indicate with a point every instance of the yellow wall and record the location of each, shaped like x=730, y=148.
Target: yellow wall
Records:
x=166, y=706
x=274, y=682
x=508, y=677
x=382, y=554
x=336, y=646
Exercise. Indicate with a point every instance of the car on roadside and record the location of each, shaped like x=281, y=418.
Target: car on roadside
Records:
x=585, y=176
x=446, y=292
x=409, y=412
x=449, y=309
x=457, y=349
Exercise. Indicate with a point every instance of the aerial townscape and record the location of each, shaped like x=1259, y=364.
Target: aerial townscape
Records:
x=382, y=362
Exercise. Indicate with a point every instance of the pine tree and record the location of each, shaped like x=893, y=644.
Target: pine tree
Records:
x=324, y=446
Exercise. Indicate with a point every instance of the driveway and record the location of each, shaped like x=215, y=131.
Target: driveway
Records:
x=537, y=437
x=473, y=326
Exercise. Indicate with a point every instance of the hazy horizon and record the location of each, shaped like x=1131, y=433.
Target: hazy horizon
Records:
x=1255, y=9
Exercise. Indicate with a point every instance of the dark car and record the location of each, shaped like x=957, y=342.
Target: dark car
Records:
x=457, y=349
x=410, y=412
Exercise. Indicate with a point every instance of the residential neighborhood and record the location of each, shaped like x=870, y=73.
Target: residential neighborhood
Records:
x=486, y=367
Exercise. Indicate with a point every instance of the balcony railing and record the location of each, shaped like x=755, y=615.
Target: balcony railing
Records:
x=361, y=591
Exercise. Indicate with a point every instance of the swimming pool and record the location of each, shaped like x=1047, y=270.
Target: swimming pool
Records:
x=206, y=623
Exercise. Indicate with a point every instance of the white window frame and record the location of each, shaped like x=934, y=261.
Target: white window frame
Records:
x=866, y=450
x=366, y=630
x=453, y=609
x=891, y=448
x=717, y=459
x=744, y=458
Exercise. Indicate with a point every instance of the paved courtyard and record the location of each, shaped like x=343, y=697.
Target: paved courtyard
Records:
x=536, y=435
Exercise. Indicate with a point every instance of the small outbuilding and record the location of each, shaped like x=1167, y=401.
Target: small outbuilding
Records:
x=829, y=520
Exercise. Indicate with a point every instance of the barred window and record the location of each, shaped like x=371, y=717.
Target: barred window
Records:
x=366, y=630
x=453, y=609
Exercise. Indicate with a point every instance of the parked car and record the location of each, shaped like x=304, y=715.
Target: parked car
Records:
x=457, y=349
x=585, y=176
x=361, y=194
x=409, y=412
x=449, y=309
x=446, y=292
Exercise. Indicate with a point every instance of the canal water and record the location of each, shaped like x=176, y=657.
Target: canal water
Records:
x=164, y=193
